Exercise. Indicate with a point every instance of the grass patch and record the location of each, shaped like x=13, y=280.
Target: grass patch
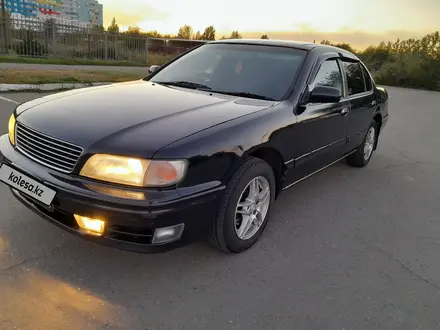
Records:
x=159, y=59
x=66, y=61
x=36, y=76
x=153, y=58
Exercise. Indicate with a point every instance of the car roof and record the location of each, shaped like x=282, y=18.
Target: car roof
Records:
x=288, y=43
x=270, y=42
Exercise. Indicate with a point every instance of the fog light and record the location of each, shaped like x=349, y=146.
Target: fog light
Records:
x=167, y=234
x=89, y=225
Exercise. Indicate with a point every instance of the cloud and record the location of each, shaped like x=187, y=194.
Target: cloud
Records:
x=366, y=23
x=131, y=12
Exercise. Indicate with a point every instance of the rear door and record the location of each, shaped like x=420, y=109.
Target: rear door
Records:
x=362, y=99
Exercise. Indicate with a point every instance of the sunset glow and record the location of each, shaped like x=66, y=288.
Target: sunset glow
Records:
x=320, y=18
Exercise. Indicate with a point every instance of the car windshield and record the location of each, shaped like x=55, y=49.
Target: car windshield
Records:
x=255, y=71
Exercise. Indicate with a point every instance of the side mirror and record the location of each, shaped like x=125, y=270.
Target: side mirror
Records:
x=153, y=68
x=325, y=94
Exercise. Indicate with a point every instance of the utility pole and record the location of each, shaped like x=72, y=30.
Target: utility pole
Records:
x=3, y=21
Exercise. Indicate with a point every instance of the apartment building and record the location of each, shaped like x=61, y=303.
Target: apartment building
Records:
x=27, y=8
x=79, y=12
x=70, y=10
x=94, y=12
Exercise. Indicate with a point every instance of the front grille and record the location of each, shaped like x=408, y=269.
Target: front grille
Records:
x=56, y=154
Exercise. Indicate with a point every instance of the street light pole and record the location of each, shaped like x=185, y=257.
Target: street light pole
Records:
x=3, y=21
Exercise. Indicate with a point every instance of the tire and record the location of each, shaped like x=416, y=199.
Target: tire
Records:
x=359, y=159
x=224, y=231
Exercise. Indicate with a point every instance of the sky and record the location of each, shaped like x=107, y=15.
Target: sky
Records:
x=358, y=22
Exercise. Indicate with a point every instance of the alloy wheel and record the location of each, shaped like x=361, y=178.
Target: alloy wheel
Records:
x=252, y=207
x=369, y=143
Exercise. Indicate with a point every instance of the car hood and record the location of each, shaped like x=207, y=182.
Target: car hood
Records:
x=134, y=118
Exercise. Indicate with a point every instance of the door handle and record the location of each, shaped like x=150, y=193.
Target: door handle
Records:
x=373, y=103
x=344, y=112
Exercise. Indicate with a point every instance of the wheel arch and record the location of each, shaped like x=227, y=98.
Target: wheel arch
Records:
x=275, y=160
x=270, y=155
x=378, y=119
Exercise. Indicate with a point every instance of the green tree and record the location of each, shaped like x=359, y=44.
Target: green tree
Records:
x=153, y=34
x=345, y=46
x=209, y=33
x=98, y=28
x=413, y=63
x=185, y=32
x=134, y=29
x=113, y=27
x=342, y=45
x=264, y=36
x=7, y=14
x=235, y=35
x=198, y=36
x=5, y=32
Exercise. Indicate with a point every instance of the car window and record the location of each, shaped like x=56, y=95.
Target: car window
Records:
x=368, y=83
x=329, y=74
x=233, y=68
x=355, y=78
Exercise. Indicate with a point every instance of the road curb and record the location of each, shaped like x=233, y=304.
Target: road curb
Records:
x=45, y=87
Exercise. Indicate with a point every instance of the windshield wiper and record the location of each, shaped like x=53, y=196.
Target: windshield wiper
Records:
x=184, y=84
x=192, y=85
x=243, y=94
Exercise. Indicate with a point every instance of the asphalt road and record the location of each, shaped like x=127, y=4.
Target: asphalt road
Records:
x=346, y=249
x=130, y=69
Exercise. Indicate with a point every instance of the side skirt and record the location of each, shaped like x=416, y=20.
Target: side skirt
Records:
x=317, y=171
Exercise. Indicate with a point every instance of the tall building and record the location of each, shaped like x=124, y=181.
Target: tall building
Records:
x=22, y=8
x=70, y=10
x=81, y=12
x=84, y=11
x=90, y=11
x=100, y=14
x=94, y=12
x=48, y=8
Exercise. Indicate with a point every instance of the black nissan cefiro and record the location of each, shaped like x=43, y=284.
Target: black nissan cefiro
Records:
x=201, y=147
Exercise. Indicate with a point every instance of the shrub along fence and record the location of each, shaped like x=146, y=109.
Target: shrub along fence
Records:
x=51, y=39
x=412, y=63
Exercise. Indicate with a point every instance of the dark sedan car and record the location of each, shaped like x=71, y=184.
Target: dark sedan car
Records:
x=201, y=147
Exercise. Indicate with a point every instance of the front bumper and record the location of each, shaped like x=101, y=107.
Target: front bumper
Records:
x=130, y=224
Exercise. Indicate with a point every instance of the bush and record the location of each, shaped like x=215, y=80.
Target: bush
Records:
x=406, y=63
x=30, y=48
x=159, y=58
x=410, y=70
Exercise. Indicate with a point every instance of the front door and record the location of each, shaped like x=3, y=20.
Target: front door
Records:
x=321, y=131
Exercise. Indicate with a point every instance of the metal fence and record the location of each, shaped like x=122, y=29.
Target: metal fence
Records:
x=52, y=39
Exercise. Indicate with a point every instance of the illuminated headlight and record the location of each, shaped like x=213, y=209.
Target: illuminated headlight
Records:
x=11, y=129
x=134, y=171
